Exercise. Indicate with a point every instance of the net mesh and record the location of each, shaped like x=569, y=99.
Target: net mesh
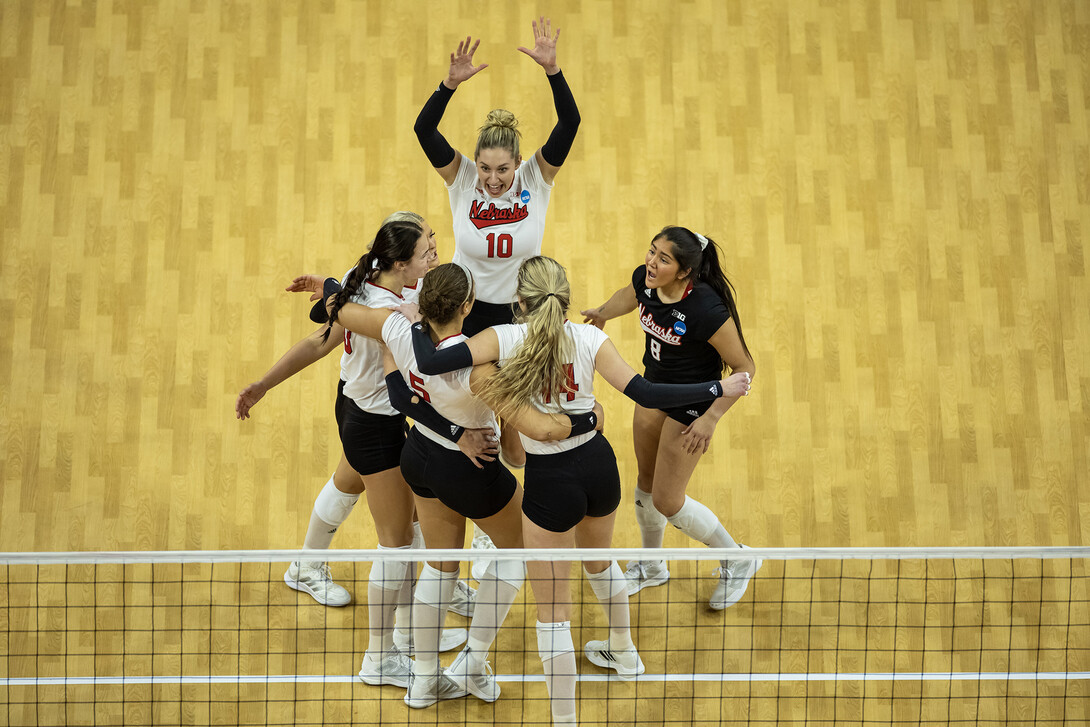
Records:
x=818, y=639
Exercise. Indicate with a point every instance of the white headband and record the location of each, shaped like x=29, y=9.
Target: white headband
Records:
x=469, y=278
x=702, y=240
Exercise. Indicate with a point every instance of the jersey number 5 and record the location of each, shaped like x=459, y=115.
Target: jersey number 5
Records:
x=418, y=386
x=656, y=349
x=505, y=245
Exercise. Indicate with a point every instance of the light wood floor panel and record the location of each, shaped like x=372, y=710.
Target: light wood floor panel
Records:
x=901, y=190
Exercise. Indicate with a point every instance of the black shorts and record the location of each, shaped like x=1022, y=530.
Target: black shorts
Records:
x=561, y=489
x=485, y=315
x=372, y=442
x=434, y=471
x=688, y=414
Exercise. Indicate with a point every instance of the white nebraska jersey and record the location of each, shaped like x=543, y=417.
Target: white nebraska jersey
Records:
x=492, y=236
x=587, y=340
x=361, y=363
x=448, y=394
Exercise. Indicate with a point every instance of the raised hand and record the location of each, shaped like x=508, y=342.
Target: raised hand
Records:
x=736, y=384
x=461, y=63
x=544, y=51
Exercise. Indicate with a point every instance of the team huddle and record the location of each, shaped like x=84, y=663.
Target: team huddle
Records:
x=479, y=353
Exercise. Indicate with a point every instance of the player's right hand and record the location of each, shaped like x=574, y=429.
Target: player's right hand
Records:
x=461, y=63
x=248, y=397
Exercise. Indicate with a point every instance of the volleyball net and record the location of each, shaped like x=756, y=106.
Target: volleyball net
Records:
x=821, y=637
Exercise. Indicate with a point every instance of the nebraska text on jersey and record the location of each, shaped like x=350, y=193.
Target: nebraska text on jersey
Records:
x=482, y=216
x=647, y=322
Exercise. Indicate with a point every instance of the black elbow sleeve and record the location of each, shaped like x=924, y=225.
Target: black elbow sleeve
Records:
x=432, y=361
x=665, y=396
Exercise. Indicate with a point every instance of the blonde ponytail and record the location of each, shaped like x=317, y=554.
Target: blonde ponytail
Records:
x=538, y=367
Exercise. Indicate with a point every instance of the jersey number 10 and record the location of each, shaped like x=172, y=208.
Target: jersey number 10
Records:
x=505, y=245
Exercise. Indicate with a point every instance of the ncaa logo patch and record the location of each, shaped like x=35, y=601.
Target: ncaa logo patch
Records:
x=525, y=197
x=679, y=328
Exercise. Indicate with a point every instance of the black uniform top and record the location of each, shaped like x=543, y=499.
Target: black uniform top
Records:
x=677, y=349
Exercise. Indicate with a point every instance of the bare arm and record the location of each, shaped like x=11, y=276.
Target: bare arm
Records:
x=298, y=357
x=532, y=422
x=620, y=303
x=363, y=320
x=727, y=342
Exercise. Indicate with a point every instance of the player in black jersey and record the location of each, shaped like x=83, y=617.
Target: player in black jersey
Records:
x=687, y=311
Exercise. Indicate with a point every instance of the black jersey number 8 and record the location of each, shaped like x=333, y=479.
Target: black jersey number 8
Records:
x=656, y=350
x=505, y=245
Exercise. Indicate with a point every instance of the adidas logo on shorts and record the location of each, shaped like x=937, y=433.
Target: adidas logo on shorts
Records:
x=692, y=413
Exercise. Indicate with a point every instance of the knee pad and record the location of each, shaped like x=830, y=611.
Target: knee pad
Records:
x=435, y=588
x=695, y=520
x=418, y=536
x=389, y=574
x=511, y=572
x=554, y=639
x=647, y=517
x=332, y=505
x=608, y=584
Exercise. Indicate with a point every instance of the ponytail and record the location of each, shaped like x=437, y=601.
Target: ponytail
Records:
x=538, y=368
x=395, y=242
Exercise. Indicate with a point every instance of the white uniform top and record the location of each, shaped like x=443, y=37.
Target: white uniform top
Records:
x=361, y=363
x=448, y=394
x=492, y=236
x=587, y=340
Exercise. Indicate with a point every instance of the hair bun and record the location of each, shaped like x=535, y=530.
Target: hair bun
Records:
x=501, y=118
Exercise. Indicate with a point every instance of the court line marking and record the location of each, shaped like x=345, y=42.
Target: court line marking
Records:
x=795, y=677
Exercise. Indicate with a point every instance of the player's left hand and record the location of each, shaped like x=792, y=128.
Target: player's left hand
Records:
x=307, y=284
x=697, y=436
x=544, y=52
x=410, y=311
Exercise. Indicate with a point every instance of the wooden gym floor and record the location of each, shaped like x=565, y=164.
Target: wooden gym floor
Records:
x=902, y=191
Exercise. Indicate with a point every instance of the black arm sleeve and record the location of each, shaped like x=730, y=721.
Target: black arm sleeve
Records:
x=318, y=313
x=440, y=153
x=432, y=361
x=556, y=149
x=582, y=423
x=402, y=399
x=668, y=396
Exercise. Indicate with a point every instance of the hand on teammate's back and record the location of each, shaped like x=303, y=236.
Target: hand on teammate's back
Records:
x=478, y=444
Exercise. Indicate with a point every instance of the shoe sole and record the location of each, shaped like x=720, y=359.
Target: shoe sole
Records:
x=741, y=592
x=633, y=589
x=428, y=701
x=594, y=658
x=468, y=686
x=304, y=588
x=384, y=680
